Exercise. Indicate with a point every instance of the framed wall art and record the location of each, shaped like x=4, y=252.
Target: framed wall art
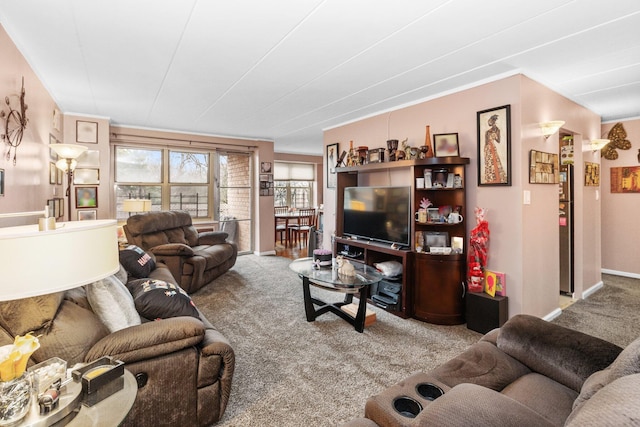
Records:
x=446, y=145
x=265, y=167
x=591, y=174
x=53, y=173
x=87, y=215
x=86, y=176
x=625, y=179
x=494, y=146
x=1, y=182
x=86, y=132
x=86, y=197
x=543, y=168
x=89, y=159
x=332, y=160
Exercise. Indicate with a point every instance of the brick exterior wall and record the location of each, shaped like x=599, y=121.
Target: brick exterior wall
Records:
x=237, y=200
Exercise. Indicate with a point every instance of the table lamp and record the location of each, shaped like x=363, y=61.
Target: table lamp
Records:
x=38, y=262
x=136, y=205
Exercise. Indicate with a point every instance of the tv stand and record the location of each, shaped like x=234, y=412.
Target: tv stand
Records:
x=370, y=253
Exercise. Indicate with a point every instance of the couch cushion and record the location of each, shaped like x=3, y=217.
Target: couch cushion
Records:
x=214, y=255
x=551, y=400
x=30, y=314
x=566, y=356
x=482, y=364
x=157, y=299
x=136, y=261
x=613, y=405
x=627, y=363
x=113, y=303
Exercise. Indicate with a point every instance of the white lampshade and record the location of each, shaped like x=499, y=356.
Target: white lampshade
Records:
x=597, y=144
x=68, y=151
x=136, y=205
x=62, y=164
x=43, y=262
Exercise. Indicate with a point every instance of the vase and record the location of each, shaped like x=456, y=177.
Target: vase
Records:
x=427, y=143
x=15, y=399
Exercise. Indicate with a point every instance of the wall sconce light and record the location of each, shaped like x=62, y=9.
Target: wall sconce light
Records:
x=68, y=154
x=597, y=144
x=551, y=127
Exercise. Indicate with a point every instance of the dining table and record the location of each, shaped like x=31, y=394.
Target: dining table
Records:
x=292, y=217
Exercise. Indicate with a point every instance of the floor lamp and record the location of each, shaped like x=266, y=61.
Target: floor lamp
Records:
x=68, y=153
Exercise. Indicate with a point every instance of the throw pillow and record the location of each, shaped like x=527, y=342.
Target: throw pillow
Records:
x=112, y=303
x=157, y=299
x=137, y=262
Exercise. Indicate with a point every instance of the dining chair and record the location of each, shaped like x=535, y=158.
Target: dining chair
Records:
x=281, y=224
x=300, y=231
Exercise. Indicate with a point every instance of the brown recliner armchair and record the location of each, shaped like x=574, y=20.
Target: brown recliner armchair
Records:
x=195, y=259
x=183, y=365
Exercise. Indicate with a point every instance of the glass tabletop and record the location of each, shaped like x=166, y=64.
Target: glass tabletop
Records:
x=329, y=277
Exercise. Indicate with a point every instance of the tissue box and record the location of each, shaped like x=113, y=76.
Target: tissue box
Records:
x=100, y=379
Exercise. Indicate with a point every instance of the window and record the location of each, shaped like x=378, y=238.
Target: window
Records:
x=171, y=179
x=294, y=184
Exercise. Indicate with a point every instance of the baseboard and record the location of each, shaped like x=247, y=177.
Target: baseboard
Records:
x=620, y=273
x=592, y=289
x=555, y=313
x=266, y=253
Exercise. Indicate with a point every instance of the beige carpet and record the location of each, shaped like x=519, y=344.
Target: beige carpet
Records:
x=290, y=372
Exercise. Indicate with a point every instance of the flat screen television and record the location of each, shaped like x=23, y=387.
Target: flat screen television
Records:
x=382, y=214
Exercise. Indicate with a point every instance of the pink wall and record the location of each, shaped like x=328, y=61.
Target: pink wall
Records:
x=524, y=239
x=620, y=231
x=27, y=185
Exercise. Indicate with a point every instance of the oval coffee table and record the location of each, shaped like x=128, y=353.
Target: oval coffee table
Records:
x=329, y=279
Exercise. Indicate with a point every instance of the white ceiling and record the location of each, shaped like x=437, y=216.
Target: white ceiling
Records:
x=286, y=69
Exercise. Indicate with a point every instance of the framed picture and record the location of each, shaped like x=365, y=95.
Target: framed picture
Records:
x=625, y=179
x=1, y=182
x=59, y=202
x=86, y=176
x=332, y=161
x=495, y=283
x=86, y=197
x=265, y=167
x=53, y=173
x=543, y=168
x=437, y=239
x=87, y=132
x=591, y=174
x=87, y=215
x=52, y=154
x=89, y=159
x=446, y=145
x=59, y=176
x=51, y=204
x=494, y=146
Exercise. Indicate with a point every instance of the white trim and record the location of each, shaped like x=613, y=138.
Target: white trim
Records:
x=266, y=253
x=620, y=273
x=586, y=294
x=555, y=313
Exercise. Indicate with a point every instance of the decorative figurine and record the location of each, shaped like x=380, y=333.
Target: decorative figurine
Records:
x=345, y=268
x=478, y=248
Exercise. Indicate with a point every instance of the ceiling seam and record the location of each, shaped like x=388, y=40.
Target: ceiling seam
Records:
x=262, y=59
x=173, y=56
x=84, y=62
x=417, y=67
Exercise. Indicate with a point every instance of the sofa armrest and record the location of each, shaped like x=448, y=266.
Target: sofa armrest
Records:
x=149, y=340
x=484, y=406
x=562, y=354
x=212, y=237
x=169, y=249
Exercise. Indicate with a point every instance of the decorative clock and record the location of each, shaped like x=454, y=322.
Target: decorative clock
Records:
x=15, y=122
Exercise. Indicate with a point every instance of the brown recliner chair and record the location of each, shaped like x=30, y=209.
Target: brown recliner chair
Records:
x=195, y=259
x=183, y=365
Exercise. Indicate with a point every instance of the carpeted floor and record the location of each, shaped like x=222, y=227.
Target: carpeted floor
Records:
x=290, y=372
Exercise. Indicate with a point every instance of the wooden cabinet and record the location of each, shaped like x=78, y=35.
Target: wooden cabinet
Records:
x=433, y=285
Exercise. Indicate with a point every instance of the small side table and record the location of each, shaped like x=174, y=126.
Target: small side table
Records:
x=485, y=312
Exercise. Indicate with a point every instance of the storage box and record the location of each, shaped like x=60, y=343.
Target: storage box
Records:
x=100, y=379
x=352, y=310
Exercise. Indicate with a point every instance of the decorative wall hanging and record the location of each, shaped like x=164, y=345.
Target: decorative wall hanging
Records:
x=86, y=197
x=625, y=179
x=15, y=122
x=332, y=161
x=591, y=174
x=494, y=146
x=543, y=168
x=86, y=132
x=446, y=145
x=1, y=182
x=266, y=184
x=618, y=137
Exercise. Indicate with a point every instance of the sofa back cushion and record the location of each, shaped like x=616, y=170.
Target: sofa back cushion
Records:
x=158, y=228
x=29, y=314
x=565, y=355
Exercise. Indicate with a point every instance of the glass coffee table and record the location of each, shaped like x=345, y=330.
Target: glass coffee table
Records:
x=329, y=279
